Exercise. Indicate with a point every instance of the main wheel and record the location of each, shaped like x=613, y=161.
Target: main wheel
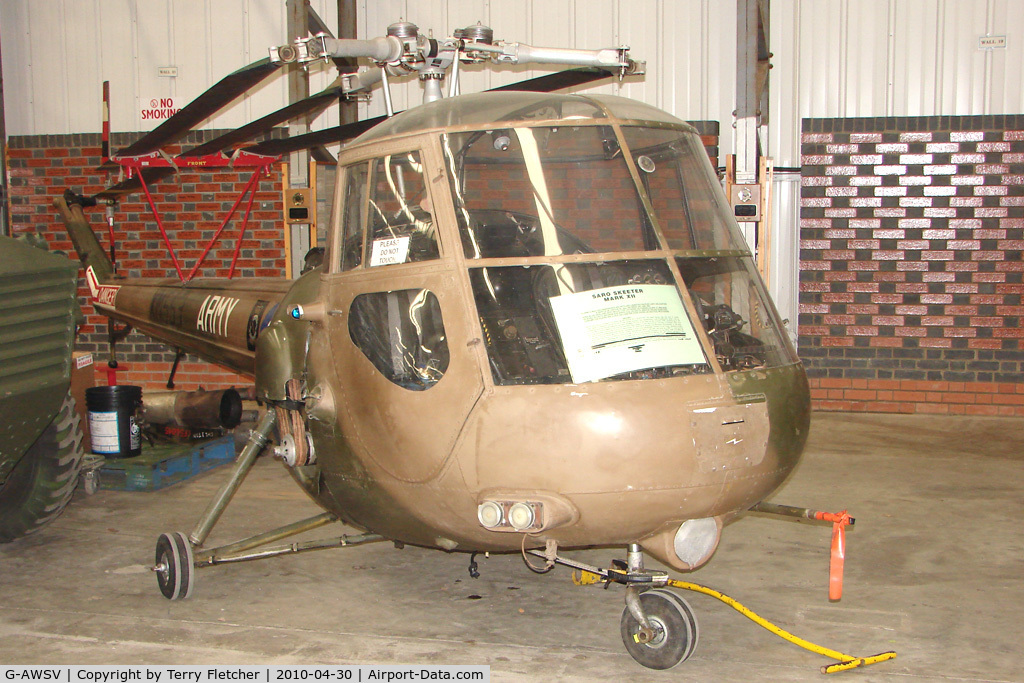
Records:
x=175, y=566
x=675, y=630
x=41, y=484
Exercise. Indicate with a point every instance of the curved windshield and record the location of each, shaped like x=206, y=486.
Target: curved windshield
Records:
x=583, y=322
x=687, y=198
x=545, y=191
x=530, y=193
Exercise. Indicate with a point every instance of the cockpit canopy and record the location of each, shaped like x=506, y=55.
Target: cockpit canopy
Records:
x=599, y=242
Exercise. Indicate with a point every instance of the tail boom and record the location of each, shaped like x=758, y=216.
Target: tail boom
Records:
x=215, y=319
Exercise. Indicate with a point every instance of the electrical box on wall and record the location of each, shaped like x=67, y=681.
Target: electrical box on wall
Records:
x=299, y=205
x=746, y=202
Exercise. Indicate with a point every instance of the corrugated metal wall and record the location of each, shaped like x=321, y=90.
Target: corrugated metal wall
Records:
x=57, y=53
x=850, y=58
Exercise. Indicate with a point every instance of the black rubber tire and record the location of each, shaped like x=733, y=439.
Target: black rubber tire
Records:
x=688, y=612
x=42, y=483
x=673, y=622
x=175, y=563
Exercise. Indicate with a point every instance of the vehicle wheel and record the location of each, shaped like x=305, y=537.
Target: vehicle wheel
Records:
x=41, y=484
x=688, y=612
x=175, y=566
x=675, y=633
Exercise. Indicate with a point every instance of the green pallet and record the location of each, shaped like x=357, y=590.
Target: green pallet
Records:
x=162, y=466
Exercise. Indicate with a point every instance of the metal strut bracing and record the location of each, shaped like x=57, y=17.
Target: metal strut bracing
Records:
x=245, y=549
x=136, y=166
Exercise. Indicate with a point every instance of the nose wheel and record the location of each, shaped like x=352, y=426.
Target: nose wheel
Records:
x=672, y=634
x=175, y=566
x=658, y=626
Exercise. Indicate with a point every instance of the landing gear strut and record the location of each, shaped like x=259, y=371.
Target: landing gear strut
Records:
x=178, y=556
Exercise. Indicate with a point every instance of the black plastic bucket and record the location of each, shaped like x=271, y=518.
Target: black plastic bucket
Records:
x=115, y=433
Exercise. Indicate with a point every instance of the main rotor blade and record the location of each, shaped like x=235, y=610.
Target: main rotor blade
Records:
x=557, y=81
x=305, y=106
x=338, y=134
x=130, y=185
x=204, y=106
x=320, y=137
x=548, y=83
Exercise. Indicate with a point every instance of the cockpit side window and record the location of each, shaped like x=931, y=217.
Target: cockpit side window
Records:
x=354, y=216
x=401, y=332
x=401, y=221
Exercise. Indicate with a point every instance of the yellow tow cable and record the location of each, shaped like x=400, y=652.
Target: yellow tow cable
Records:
x=844, y=663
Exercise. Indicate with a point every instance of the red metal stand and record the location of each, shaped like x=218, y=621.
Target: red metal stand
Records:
x=259, y=163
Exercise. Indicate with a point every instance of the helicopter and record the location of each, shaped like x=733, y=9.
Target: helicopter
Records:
x=535, y=326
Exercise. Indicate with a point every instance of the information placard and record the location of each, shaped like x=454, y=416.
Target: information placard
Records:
x=613, y=330
x=389, y=251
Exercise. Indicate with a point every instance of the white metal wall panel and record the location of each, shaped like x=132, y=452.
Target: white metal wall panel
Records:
x=820, y=38
x=155, y=48
x=784, y=84
x=85, y=66
x=890, y=58
x=716, y=98
x=50, y=96
x=1006, y=87
x=835, y=57
x=915, y=61
x=863, y=65
x=53, y=85
x=114, y=40
x=18, y=85
x=640, y=24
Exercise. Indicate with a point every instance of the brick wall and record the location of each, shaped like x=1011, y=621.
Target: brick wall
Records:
x=912, y=231
x=191, y=205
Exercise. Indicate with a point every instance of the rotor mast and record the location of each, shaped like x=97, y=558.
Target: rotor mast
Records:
x=404, y=51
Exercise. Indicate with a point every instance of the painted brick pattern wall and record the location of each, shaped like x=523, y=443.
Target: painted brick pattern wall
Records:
x=912, y=231
x=192, y=207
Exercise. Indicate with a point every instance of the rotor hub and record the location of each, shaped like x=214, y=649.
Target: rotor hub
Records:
x=405, y=30
x=477, y=33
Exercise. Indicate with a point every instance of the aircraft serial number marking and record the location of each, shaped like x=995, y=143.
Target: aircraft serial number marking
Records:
x=214, y=314
x=101, y=294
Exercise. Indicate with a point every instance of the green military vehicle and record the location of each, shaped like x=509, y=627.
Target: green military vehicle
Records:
x=40, y=432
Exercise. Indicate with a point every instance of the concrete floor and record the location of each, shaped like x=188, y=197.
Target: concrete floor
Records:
x=934, y=570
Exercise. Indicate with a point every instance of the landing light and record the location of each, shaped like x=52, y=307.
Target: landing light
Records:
x=490, y=514
x=695, y=540
x=521, y=516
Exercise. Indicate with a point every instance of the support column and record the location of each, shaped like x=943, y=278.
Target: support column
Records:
x=297, y=234
x=5, y=206
x=746, y=123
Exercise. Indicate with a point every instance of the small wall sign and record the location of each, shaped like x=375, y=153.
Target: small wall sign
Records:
x=158, y=108
x=992, y=43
